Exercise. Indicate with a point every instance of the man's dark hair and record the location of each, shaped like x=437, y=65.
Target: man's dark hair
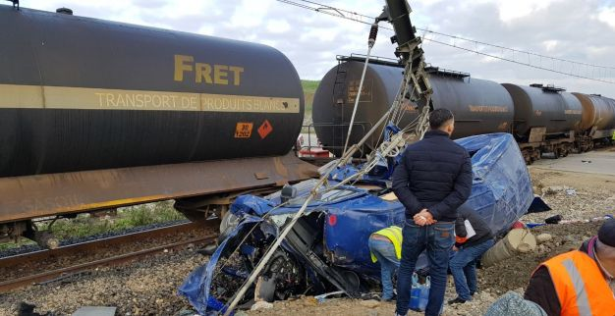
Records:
x=438, y=117
x=606, y=234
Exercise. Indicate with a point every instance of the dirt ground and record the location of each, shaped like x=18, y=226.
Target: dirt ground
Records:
x=511, y=275
x=577, y=196
x=149, y=288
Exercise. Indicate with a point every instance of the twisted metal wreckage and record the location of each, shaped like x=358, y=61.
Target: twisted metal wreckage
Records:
x=311, y=237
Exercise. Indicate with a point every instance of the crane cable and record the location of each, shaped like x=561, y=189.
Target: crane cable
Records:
x=287, y=227
x=370, y=44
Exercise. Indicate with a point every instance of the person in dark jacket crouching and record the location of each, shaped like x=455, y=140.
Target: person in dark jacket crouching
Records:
x=474, y=238
x=432, y=180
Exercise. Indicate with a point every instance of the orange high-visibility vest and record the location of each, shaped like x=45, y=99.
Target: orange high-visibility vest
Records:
x=580, y=285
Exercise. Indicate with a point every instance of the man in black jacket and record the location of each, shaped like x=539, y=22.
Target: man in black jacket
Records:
x=433, y=179
x=474, y=237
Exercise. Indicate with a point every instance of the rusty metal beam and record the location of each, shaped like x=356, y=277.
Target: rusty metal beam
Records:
x=45, y=195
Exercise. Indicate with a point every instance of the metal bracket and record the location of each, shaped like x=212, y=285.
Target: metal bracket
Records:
x=415, y=85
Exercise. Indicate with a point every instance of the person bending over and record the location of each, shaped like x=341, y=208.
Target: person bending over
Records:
x=474, y=237
x=385, y=248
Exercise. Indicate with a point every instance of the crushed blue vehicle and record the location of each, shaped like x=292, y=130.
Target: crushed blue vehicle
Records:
x=327, y=248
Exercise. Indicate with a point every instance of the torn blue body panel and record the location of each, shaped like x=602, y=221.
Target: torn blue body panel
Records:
x=338, y=223
x=347, y=229
x=502, y=188
x=196, y=288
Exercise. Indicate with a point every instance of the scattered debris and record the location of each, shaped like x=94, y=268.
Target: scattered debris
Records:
x=187, y=312
x=486, y=296
x=95, y=311
x=538, y=206
x=554, y=219
x=370, y=303
x=261, y=305
x=323, y=297
x=112, y=286
x=516, y=241
x=265, y=289
x=309, y=301
x=26, y=309
x=542, y=238
x=325, y=249
x=552, y=190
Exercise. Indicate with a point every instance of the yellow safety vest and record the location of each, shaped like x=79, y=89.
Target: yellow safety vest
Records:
x=394, y=234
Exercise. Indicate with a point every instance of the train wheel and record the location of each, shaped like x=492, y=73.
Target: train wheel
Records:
x=527, y=155
x=568, y=149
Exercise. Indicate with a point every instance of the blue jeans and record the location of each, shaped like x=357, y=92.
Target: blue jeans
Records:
x=385, y=253
x=463, y=268
x=437, y=239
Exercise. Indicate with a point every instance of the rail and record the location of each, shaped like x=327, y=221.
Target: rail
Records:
x=97, y=246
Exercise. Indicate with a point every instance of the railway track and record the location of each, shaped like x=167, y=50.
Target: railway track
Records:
x=48, y=265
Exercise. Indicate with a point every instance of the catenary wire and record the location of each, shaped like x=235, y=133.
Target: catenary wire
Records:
x=360, y=18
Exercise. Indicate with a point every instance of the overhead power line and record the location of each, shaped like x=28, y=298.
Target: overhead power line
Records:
x=557, y=65
x=525, y=64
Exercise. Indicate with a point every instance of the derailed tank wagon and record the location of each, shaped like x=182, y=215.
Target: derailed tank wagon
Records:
x=335, y=97
x=546, y=119
x=97, y=114
x=598, y=120
x=543, y=119
x=480, y=106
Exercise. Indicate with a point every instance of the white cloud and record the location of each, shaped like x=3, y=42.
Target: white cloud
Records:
x=607, y=15
x=207, y=30
x=179, y=9
x=569, y=29
x=550, y=45
x=278, y=26
x=250, y=13
x=511, y=10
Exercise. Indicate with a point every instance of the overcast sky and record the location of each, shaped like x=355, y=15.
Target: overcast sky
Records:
x=580, y=30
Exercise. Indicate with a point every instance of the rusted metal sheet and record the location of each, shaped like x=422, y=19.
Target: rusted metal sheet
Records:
x=589, y=112
x=44, y=195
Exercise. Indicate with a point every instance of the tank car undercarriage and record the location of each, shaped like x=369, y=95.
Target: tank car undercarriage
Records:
x=202, y=190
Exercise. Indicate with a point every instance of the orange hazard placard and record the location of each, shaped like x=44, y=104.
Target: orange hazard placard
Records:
x=243, y=130
x=265, y=129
